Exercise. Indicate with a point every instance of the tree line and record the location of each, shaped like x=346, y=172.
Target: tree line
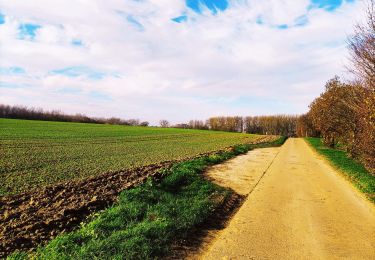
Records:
x=344, y=114
x=23, y=112
x=267, y=125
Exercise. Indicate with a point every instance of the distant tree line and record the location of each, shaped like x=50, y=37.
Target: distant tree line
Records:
x=22, y=112
x=344, y=114
x=197, y=124
x=226, y=123
x=272, y=125
x=267, y=125
x=193, y=124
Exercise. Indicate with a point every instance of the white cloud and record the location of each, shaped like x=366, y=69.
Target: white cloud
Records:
x=206, y=66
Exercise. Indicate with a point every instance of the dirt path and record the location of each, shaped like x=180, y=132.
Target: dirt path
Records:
x=300, y=209
x=242, y=173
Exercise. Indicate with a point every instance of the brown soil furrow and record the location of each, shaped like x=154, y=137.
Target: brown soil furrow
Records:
x=29, y=219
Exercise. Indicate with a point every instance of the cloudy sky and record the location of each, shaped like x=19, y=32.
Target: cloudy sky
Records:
x=173, y=59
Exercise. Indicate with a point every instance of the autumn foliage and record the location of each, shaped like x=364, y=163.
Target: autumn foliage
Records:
x=226, y=123
x=272, y=125
x=335, y=113
x=284, y=125
x=344, y=114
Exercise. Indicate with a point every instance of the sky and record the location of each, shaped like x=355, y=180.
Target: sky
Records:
x=172, y=59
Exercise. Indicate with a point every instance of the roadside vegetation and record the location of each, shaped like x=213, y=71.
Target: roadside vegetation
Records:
x=39, y=153
x=349, y=167
x=149, y=218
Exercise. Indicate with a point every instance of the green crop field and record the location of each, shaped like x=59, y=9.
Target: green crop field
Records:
x=37, y=153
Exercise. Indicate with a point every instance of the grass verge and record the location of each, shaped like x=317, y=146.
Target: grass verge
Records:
x=349, y=167
x=148, y=218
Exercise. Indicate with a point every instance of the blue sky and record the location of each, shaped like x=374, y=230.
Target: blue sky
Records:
x=179, y=60
x=213, y=5
x=73, y=72
x=28, y=31
x=77, y=42
x=2, y=18
x=221, y=5
x=11, y=70
x=329, y=5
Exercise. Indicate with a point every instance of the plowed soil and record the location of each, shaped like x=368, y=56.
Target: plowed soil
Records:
x=29, y=219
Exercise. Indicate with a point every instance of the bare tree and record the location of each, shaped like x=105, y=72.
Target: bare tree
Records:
x=197, y=124
x=144, y=123
x=164, y=123
x=362, y=49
